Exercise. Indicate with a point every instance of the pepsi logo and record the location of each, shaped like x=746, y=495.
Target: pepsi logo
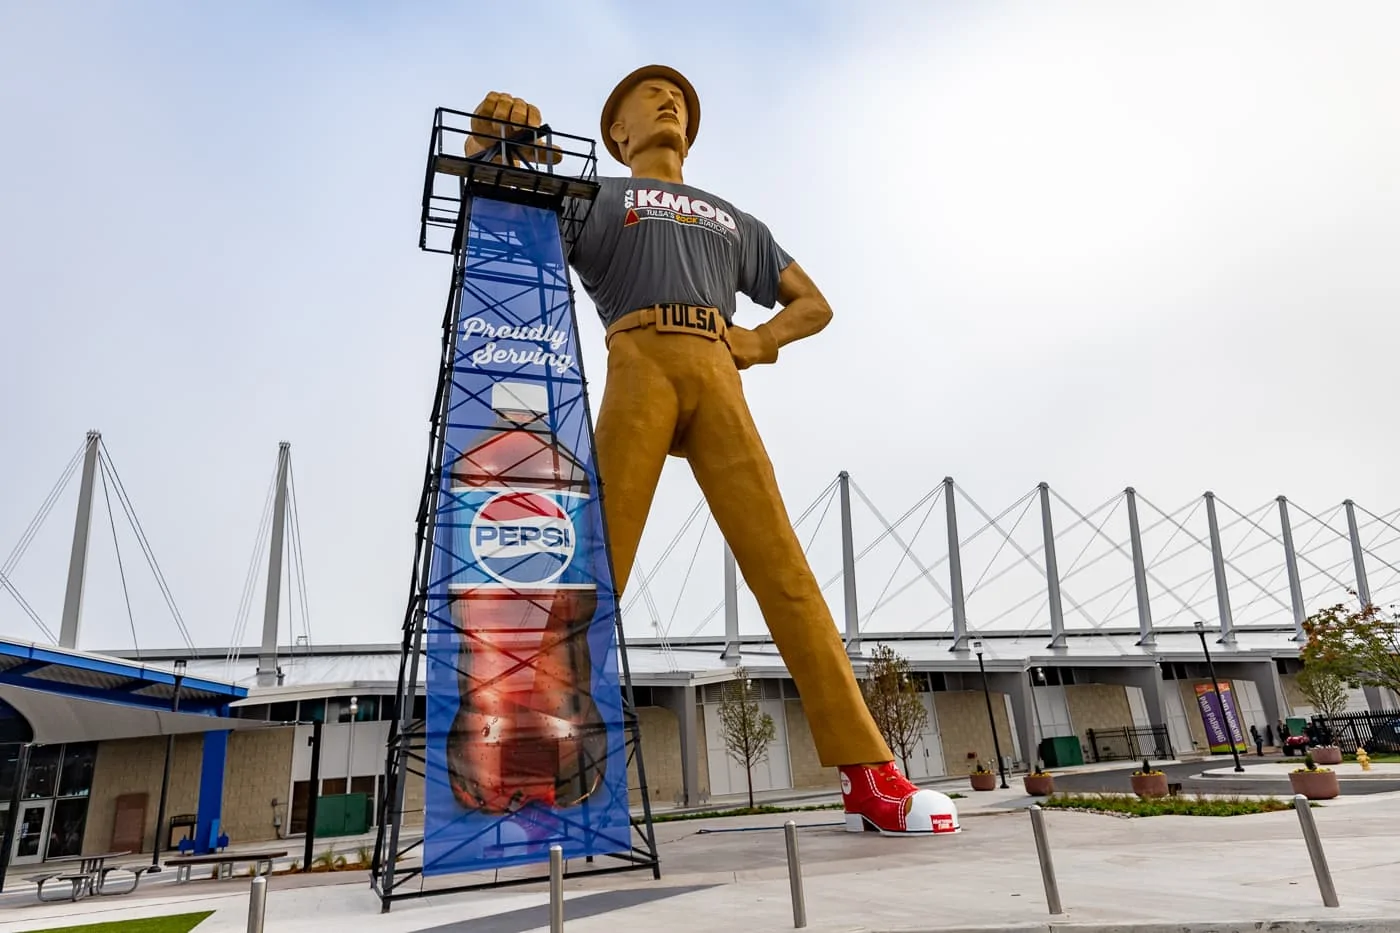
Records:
x=522, y=538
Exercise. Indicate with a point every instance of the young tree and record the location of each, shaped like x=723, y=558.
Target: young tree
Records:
x=746, y=729
x=1359, y=646
x=892, y=695
x=1324, y=690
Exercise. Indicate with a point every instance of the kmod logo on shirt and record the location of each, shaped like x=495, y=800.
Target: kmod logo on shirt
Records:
x=654, y=204
x=523, y=538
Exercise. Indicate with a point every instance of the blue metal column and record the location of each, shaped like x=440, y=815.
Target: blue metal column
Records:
x=209, y=816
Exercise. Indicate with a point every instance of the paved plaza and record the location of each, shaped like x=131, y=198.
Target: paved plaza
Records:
x=725, y=875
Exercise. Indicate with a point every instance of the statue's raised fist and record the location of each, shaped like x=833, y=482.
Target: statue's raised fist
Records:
x=490, y=123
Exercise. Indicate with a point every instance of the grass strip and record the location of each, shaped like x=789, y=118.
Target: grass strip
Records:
x=179, y=923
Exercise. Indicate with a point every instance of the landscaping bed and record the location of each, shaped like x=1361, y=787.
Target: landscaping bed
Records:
x=1130, y=806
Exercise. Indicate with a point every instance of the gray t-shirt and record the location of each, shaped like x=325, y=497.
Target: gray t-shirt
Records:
x=652, y=242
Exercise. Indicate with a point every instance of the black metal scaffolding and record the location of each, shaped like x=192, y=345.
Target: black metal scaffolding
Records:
x=563, y=182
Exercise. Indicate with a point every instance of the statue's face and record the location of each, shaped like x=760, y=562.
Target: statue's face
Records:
x=652, y=114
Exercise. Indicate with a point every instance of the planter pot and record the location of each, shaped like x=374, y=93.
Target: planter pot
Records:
x=1327, y=754
x=1315, y=785
x=983, y=781
x=1150, y=785
x=1042, y=786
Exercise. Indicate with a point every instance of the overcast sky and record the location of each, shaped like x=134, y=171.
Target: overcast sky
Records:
x=1095, y=244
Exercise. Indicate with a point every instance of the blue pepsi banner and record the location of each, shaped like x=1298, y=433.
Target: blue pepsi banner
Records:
x=525, y=732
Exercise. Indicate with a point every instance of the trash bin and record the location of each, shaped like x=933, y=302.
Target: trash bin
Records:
x=1061, y=751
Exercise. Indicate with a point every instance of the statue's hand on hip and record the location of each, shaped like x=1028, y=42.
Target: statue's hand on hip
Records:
x=489, y=126
x=750, y=347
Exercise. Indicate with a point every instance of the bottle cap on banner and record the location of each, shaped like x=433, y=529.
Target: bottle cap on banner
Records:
x=520, y=396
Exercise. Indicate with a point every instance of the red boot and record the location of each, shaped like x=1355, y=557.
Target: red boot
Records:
x=883, y=800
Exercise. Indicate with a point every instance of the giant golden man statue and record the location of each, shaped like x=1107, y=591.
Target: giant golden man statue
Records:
x=663, y=261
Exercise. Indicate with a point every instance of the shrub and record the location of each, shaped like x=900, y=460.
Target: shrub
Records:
x=1165, y=806
x=1146, y=770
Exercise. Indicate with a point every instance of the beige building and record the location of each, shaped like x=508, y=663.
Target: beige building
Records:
x=1102, y=696
x=1111, y=698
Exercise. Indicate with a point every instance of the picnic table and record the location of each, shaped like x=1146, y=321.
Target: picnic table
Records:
x=223, y=863
x=88, y=877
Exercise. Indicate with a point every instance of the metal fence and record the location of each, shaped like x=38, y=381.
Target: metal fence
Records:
x=1129, y=743
x=1377, y=730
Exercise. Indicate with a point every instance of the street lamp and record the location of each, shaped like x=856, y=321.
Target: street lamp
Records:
x=1210, y=666
x=350, y=742
x=991, y=720
x=1037, y=675
x=165, y=778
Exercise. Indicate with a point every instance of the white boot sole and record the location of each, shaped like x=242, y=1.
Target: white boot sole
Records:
x=855, y=823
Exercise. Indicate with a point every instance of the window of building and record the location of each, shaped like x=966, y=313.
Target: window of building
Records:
x=643, y=696
x=282, y=712
x=75, y=778
x=42, y=779
x=312, y=711
x=301, y=799
x=66, y=829
x=9, y=767
x=1053, y=676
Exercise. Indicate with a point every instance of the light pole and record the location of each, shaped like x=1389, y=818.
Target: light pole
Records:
x=1037, y=674
x=314, y=795
x=165, y=778
x=1210, y=666
x=350, y=743
x=991, y=720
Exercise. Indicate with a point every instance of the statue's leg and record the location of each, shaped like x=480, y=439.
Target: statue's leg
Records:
x=636, y=428
x=736, y=476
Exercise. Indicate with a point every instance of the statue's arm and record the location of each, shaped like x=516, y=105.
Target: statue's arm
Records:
x=804, y=313
x=805, y=310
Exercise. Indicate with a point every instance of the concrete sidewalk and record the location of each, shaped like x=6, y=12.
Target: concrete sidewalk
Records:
x=723, y=875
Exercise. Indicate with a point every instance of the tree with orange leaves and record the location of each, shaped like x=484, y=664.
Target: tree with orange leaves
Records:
x=1361, y=646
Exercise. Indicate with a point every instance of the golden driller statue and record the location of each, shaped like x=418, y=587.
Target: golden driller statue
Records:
x=663, y=262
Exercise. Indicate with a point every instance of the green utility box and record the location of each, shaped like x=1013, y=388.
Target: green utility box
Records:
x=1061, y=751
x=342, y=815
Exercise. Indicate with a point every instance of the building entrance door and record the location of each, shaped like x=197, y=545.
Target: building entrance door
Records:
x=32, y=832
x=926, y=759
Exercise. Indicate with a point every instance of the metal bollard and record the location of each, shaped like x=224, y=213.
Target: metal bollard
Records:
x=1047, y=867
x=556, y=889
x=257, y=904
x=794, y=860
x=1319, y=858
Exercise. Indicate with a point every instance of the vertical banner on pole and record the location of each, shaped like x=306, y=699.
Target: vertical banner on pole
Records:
x=1217, y=720
x=525, y=726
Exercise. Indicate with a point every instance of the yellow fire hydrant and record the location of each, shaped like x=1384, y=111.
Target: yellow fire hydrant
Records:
x=1363, y=759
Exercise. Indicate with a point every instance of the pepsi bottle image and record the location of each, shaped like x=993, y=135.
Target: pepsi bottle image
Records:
x=527, y=730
